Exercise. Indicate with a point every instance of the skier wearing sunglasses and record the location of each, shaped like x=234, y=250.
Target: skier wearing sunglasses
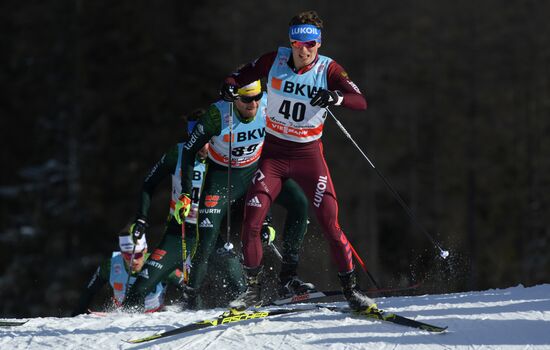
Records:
x=248, y=132
x=177, y=246
x=114, y=272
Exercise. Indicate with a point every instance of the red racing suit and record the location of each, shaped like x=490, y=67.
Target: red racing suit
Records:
x=304, y=162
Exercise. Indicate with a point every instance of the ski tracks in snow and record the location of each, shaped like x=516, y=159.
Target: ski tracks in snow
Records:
x=509, y=319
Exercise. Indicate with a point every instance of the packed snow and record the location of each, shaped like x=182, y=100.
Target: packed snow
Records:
x=513, y=318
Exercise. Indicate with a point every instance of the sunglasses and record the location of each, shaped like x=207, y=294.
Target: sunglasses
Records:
x=300, y=44
x=128, y=256
x=248, y=99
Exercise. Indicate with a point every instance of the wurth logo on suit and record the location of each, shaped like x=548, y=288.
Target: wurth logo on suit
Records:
x=210, y=211
x=155, y=264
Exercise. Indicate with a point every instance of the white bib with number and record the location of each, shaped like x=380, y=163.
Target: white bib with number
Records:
x=290, y=116
x=247, y=140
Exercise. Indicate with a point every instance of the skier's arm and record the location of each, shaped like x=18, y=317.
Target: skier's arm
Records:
x=162, y=169
x=252, y=71
x=209, y=124
x=98, y=280
x=338, y=79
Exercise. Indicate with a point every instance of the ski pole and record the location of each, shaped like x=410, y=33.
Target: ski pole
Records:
x=442, y=253
x=130, y=269
x=276, y=251
x=363, y=265
x=228, y=245
x=184, y=254
x=280, y=257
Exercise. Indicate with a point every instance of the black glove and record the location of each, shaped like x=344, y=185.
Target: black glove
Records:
x=326, y=98
x=228, y=92
x=138, y=228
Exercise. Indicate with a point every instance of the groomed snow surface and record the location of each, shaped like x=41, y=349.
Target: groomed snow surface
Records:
x=513, y=318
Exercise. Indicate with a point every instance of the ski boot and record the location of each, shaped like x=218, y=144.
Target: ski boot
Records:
x=356, y=298
x=252, y=296
x=290, y=283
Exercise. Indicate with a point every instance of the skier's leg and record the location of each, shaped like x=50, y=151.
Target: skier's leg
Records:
x=212, y=208
x=294, y=200
x=266, y=185
x=226, y=271
x=225, y=268
x=314, y=177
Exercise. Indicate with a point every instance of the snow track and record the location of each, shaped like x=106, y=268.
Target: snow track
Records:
x=513, y=318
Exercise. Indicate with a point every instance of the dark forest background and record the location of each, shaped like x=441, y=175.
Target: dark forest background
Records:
x=458, y=121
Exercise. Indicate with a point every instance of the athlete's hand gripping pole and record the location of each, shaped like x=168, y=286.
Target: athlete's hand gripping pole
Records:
x=182, y=208
x=267, y=235
x=138, y=228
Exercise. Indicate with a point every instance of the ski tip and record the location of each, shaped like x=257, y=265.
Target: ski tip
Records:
x=12, y=323
x=434, y=329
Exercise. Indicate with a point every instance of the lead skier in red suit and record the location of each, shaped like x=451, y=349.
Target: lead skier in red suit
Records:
x=301, y=85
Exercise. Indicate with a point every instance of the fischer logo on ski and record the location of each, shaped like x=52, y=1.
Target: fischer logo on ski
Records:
x=227, y=317
x=244, y=316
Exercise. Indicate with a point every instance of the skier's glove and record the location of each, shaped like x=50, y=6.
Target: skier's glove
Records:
x=228, y=92
x=183, y=206
x=267, y=234
x=326, y=98
x=138, y=228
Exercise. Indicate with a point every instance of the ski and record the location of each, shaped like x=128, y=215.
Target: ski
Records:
x=12, y=323
x=381, y=315
x=307, y=297
x=227, y=317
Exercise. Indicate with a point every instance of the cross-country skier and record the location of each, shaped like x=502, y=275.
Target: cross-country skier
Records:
x=114, y=272
x=172, y=252
x=301, y=84
x=248, y=130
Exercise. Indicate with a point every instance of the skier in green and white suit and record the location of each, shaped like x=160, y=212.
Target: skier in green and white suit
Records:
x=248, y=130
x=172, y=252
x=114, y=272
